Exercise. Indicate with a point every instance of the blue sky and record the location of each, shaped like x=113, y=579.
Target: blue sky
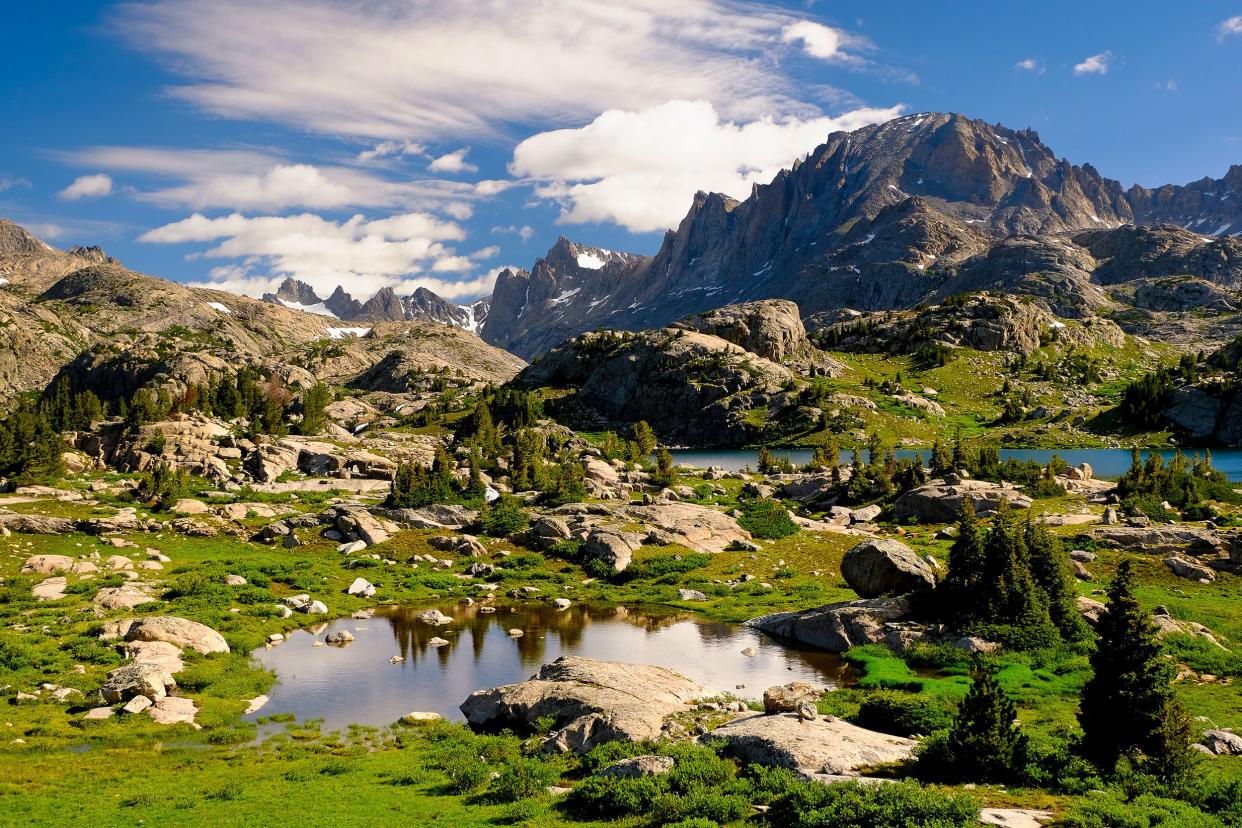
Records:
x=408, y=142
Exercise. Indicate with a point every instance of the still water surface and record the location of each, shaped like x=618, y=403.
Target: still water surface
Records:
x=1107, y=463
x=357, y=684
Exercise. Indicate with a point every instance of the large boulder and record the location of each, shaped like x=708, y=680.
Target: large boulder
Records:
x=178, y=631
x=138, y=679
x=837, y=627
x=826, y=745
x=882, y=566
x=941, y=502
x=592, y=702
x=48, y=564
x=36, y=524
x=612, y=547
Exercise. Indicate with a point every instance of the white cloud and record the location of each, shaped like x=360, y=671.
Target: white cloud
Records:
x=641, y=169
x=453, y=162
x=391, y=149
x=1030, y=65
x=250, y=180
x=362, y=255
x=425, y=69
x=817, y=40
x=88, y=186
x=525, y=232
x=1095, y=65
x=459, y=210
x=491, y=187
x=1167, y=86
x=1232, y=26
x=489, y=252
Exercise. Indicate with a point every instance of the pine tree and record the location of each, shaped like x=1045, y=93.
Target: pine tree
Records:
x=1126, y=703
x=941, y=461
x=984, y=743
x=314, y=409
x=960, y=588
x=1014, y=607
x=1050, y=569
x=765, y=460
x=664, y=474
x=644, y=437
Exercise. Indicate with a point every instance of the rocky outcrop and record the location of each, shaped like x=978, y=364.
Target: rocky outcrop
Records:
x=941, y=501
x=770, y=328
x=592, y=702
x=825, y=745
x=837, y=627
x=691, y=387
x=883, y=566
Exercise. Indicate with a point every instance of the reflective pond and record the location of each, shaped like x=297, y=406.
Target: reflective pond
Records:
x=357, y=684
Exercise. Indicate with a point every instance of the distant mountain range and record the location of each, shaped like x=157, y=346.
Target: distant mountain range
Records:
x=885, y=217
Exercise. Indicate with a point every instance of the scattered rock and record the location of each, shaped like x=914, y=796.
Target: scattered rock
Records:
x=362, y=588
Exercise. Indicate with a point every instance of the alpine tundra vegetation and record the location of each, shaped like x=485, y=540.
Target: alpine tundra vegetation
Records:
x=892, y=480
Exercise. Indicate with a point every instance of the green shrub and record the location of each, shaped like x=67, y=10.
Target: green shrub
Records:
x=851, y=805
x=767, y=519
x=523, y=778
x=504, y=517
x=904, y=714
x=1111, y=810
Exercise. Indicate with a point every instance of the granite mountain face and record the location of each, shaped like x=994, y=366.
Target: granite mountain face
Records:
x=886, y=217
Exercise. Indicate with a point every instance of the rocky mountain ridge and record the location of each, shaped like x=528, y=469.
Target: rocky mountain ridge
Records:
x=422, y=305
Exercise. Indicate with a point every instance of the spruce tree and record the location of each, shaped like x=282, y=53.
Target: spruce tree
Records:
x=645, y=438
x=1126, y=705
x=1015, y=609
x=960, y=588
x=1050, y=569
x=984, y=743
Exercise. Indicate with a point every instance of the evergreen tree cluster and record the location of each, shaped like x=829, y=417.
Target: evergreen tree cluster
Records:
x=1010, y=583
x=1182, y=482
x=30, y=446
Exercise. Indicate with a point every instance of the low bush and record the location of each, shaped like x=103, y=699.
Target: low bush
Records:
x=851, y=805
x=904, y=714
x=767, y=520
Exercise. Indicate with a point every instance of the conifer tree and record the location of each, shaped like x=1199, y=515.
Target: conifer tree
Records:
x=984, y=744
x=941, y=462
x=314, y=404
x=664, y=474
x=1128, y=706
x=644, y=437
x=966, y=557
x=1050, y=569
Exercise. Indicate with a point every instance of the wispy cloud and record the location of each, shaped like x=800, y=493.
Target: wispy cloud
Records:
x=11, y=182
x=424, y=69
x=1095, y=65
x=257, y=181
x=1030, y=65
x=1231, y=26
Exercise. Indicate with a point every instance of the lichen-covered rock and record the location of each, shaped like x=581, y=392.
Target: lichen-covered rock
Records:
x=837, y=627
x=941, y=502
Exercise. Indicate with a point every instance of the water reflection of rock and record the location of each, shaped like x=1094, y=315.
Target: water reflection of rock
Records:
x=537, y=619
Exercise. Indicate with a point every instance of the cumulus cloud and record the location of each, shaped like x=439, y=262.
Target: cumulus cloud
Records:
x=1095, y=65
x=362, y=254
x=1232, y=26
x=817, y=40
x=424, y=69
x=249, y=180
x=641, y=169
x=1030, y=65
x=88, y=186
x=491, y=187
x=453, y=162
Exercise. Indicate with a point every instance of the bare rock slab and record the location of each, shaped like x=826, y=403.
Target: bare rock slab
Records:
x=824, y=745
x=592, y=702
